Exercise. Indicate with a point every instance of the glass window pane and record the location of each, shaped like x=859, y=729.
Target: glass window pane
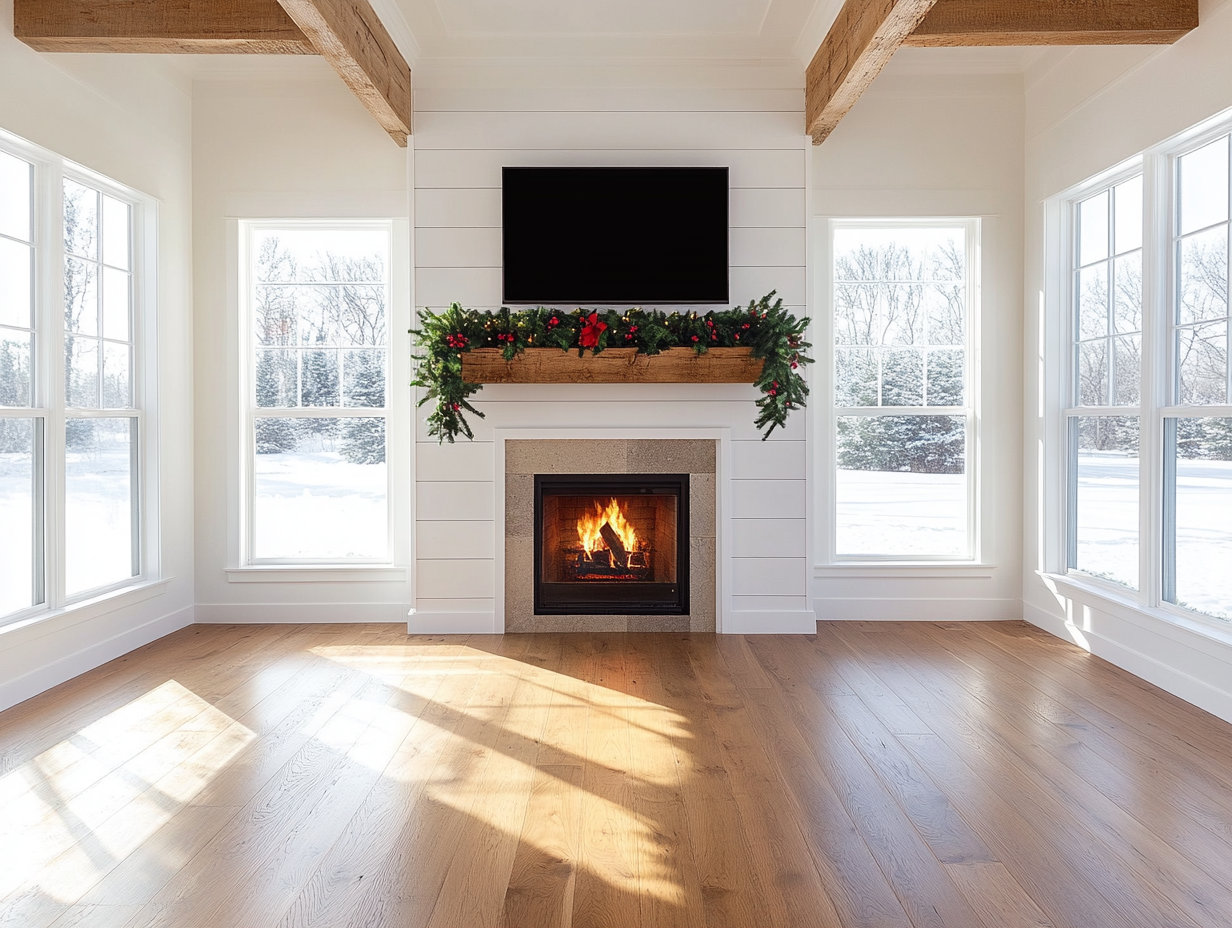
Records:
x=318, y=309
x=1093, y=229
x=945, y=310
x=319, y=378
x=1093, y=302
x=117, y=393
x=16, y=179
x=80, y=297
x=1203, y=276
x=902, y=316
x=275, y=316
x=1204, y=516
x=16, y=274
x=99, y=510
x=1202, y=364
x=116, y=304
x=1127, y=295
x=19, y=502
x=855, y=314
x=902, y=377
x=1128, y=216
x=1105, y=519
x=277, y=378
x=81, y=372
x=1204, y=186
x=15, y=351
x=80, y=220
x=855, y=377
x=319, y=489
x=351, y=255
x=362, y=315
x=901, y=486
x=1093, y=373
x=363, y=377
x=115, y=233
x=945, y=377
x=1127, y=376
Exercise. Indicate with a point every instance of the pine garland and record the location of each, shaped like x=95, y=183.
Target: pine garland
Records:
x=443, y=338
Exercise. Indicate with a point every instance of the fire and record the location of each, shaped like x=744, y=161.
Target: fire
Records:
x=588, y=528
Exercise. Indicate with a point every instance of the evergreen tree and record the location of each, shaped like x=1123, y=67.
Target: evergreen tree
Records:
x=363, y=441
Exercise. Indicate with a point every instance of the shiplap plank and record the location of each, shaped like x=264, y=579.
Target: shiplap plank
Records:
x=464, y=460
x=469, y=168
x=769, y=575
x=455, y=539
x=768, y=499
x=448, y=501
x=769, y=538
x=759, y=460
x=609, y=100
x=458, y=579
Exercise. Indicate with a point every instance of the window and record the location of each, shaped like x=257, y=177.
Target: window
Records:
x=316, y=392
x=1148, y=420
x=71, y=415
x=903, y=414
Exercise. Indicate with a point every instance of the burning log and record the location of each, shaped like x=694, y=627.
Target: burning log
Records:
x=615, y=545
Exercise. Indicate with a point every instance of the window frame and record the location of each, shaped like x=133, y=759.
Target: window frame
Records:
x=48, y=399
x=1159, y=167
x=243, y=565
x=828, y=420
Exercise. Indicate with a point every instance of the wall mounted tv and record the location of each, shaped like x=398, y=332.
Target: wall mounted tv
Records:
x=615, y=235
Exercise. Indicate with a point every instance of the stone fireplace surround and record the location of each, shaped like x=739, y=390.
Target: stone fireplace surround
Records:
x=526, y=456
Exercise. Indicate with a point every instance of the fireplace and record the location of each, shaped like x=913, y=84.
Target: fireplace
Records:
x=611, y=544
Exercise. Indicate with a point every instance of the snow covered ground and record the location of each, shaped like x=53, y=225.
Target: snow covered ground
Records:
x=316, y=505
x=98, y=514
x=909, y=515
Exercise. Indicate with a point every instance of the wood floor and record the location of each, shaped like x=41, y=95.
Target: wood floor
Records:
x=881, y=775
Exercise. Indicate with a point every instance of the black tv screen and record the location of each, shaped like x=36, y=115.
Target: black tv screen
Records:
x=615, y=235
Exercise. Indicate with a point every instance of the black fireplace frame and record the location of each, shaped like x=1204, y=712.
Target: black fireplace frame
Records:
x=668, y=599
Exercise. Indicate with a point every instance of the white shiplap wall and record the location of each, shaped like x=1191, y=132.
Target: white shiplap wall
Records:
x=463, y=137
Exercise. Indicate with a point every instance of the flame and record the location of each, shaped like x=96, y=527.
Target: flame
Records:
x=588, y=528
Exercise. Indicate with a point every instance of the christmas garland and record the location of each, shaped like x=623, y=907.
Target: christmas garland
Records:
x=773, y=333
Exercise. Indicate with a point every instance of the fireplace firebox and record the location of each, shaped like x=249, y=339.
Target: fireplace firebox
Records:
x=612, y=544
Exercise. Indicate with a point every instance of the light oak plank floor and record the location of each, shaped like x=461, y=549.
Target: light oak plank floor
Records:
x=875, y=774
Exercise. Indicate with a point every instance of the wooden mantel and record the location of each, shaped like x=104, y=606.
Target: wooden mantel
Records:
x=347, y=33
x=612, y=365
x=866, y=34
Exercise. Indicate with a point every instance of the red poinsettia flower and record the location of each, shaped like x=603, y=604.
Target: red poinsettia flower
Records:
x=591, y=331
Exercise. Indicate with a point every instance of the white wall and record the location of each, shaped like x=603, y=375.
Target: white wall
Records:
x=469, y=122
x=1087, y=110
x=273, y=139
x=128, y=118
x=921, y=144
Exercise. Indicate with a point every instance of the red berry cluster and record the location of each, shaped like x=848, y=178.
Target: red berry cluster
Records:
x=629, y=334
x=774, y=391
x=456, y=341
x=553, y=322
x=714, y=336
x=505, y=337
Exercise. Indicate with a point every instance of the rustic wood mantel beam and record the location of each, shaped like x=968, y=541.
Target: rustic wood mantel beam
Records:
x=1055, y=22
x=159, y=26
x=350, y=36
x=862, y=40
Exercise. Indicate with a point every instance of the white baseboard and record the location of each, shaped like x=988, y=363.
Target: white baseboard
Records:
x=769, y=622
x=1204, y=692
x=916, y=609
x=299, y=613
x=75, y=664
x=451, y=623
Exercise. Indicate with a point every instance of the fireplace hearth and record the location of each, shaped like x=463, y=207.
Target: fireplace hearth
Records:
x=611, y=544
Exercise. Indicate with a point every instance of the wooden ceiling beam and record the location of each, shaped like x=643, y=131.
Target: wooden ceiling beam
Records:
x=350, y=36
x=862, y=40
x=1055, y=22
x=159, y=26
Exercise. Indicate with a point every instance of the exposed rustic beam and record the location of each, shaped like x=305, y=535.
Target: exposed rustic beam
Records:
x=862, y=40
x=350, y=36
x=158, y=26
x=1055, y=22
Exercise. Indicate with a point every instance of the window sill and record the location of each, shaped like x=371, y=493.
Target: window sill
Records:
x=86, y=609
x=317, y=574
x=903, y=569
x=1126, y=606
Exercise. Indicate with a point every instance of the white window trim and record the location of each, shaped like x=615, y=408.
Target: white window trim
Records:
x=241, y=567
x=830, y=563
x=1158, y=168
x=50, y=171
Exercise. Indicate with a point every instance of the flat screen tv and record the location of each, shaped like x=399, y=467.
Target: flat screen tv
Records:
x=615, y=235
